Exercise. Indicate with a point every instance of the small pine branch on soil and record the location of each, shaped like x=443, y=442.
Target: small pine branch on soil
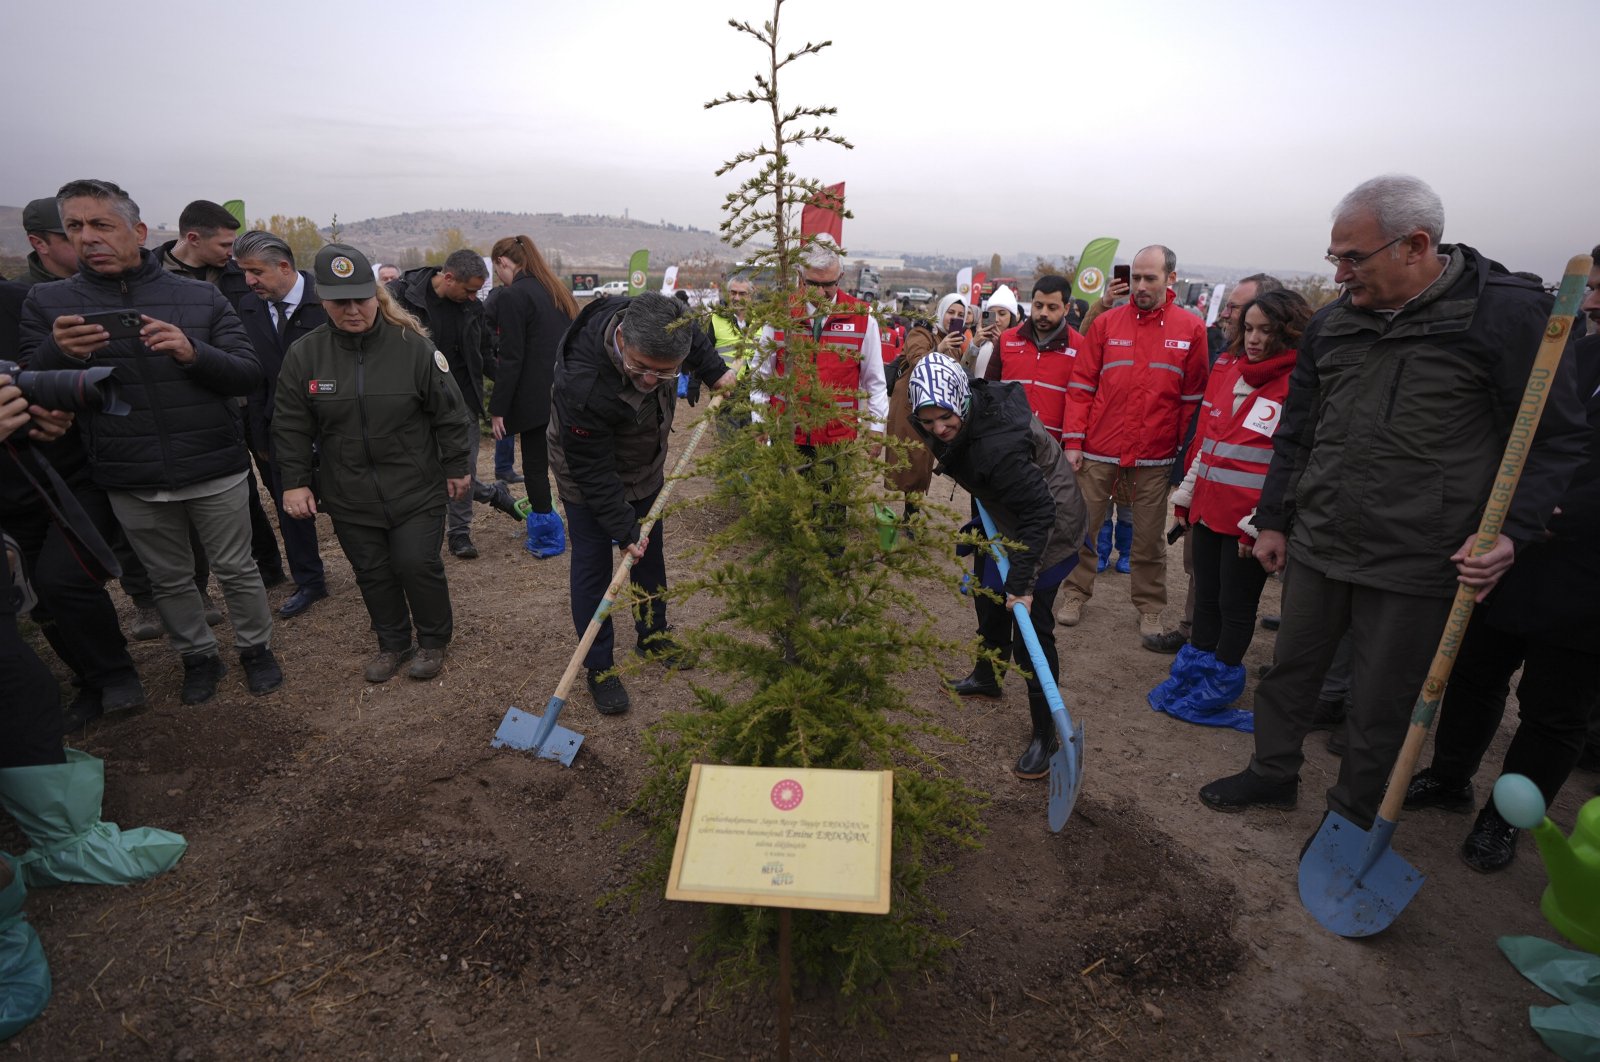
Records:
x=816, y=623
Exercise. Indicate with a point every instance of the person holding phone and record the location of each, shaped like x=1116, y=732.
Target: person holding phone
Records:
x=177, y=460
x=912, y=464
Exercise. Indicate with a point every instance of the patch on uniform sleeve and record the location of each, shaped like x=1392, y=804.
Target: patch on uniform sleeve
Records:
x=582, y=433
x=439, y=360
x=322, y=387
x=1264, y=416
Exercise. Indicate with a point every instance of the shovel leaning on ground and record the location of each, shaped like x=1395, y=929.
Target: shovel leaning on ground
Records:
x=542, y=735
x=1350, y=879
x=1066, y=765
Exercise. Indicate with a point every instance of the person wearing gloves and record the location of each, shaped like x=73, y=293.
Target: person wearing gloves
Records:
x=396, y=442
x=987, y=439
x=1217, y=501
x=531, y=313
x=913, y=472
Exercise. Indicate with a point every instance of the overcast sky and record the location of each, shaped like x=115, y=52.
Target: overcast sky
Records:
x=1226, y=130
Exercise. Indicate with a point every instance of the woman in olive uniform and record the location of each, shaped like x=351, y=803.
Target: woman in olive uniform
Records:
x=394, y=441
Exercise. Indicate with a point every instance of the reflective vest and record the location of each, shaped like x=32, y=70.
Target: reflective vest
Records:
x=729, y=339
x=838, y=369
x=1136, y=382
x=1043, y=374
x=1234, y=446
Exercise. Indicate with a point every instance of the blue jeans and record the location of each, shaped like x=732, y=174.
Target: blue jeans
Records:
x=505, y=455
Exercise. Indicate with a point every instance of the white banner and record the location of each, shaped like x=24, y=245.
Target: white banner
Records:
x=669, y=280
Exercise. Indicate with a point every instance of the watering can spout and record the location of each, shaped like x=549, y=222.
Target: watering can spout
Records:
x=1571, y=902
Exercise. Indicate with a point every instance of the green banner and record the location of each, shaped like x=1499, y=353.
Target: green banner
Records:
x=236, y=208
x=1094, y=266
x=638, y=272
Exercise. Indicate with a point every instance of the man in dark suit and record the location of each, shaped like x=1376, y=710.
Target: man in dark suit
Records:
x=281, y=307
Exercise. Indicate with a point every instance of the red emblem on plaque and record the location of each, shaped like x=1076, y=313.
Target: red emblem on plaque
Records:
x=787, y=794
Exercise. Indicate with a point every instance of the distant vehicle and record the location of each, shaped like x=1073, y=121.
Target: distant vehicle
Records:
x=917, y=295
x=611, y=287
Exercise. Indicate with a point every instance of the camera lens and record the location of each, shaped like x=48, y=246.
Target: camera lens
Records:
x=75, y=390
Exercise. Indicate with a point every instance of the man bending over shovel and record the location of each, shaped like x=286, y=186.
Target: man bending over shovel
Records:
x=1398, y=411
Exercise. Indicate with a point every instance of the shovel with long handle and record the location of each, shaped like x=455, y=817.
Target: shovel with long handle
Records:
x=1350, y=879
x=1066, y=765
x=542, y=735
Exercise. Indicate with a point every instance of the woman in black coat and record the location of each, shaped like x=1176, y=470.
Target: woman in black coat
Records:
x=985, y=437
x=530, y=314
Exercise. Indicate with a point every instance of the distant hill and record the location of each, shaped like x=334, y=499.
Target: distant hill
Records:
x=581, y=241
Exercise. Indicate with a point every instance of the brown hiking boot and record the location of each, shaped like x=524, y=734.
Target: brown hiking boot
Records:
x=381, y=668
x=427, y=664
x=1071, y=611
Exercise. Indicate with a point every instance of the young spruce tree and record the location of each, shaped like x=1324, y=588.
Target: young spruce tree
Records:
x=816, y=624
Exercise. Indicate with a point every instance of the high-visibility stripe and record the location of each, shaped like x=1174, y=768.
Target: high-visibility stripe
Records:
x=1154, y=462
x=1116, y=365
x=1233, y=478
x=1193, y=398
x=1240, y=452
x=1164, y=365
x=1083, y=386
x=1072, y=435
x=1100, y=457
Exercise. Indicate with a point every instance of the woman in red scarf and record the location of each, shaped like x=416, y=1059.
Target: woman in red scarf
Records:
x=1217, y=503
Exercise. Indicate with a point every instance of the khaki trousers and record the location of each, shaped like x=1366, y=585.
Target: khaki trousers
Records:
x=1096, y=481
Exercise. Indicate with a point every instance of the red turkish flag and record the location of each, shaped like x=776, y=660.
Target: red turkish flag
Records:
x=824, y=214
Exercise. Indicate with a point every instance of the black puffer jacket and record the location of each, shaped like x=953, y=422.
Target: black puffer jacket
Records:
x=608, y=440
x=184, y=428
x=529, y=325
x=1008, y=461
x=1394, y=428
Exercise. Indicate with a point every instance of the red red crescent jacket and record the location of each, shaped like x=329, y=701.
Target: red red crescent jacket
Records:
x=1136, y=381
x=840, y=372
x=1043, y=374
x=1234, y=447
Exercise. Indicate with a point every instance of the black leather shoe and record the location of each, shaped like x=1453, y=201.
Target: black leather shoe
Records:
x=509, y=477
x=301, y=600
x=1492, y=844
x=1428, y=790
x=610, y=697
x=1248, y=789
x=980, y=683
x=461, y=546
x=84, y=709
x=1328, y=715
x=661, y=649
x=1271, y=623
x=201, y=674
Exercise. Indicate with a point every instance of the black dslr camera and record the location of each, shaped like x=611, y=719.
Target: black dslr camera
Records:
x=69, y=390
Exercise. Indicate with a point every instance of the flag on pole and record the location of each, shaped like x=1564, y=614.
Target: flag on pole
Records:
x=236, y=208
x=638, y=272
x=978, y=294
x=669, y=280
x=825, y=214
x=964, y=285
x=1093, y=266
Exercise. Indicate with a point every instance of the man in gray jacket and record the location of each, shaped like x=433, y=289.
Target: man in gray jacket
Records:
x=1399, y=409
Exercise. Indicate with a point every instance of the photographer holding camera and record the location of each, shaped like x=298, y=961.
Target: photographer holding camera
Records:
x=177, y=459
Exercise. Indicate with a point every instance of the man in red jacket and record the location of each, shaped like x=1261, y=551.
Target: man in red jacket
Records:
x=1040, y=352
x=1135, y=387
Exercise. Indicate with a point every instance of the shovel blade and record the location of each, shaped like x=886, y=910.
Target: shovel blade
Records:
x=1066, y=772
x=526, y=732
x=1350, y=879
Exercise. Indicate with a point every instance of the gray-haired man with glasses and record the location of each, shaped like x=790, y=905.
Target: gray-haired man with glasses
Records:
x=611, y=410
x=1399, y=407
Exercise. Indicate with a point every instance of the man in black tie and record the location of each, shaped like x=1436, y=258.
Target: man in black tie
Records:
x=281, y=307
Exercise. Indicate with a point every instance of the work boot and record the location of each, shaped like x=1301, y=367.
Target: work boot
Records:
x=1035, y=759
x=213, y=613
x=201, y=673
x=610, y=697
x=1248, y=789
x=1103, y=546
x=1071, y=612
x=261, y=671
x=1271, y=623
x=1492, y=844
x=981, y=683
x=1154, y=636
x=510, y=477
x=85, y=708
x=1429, y=790
x=1329, y=714
x=146, y=625
x=382, y=667
x=426, y=664
x=461, y=546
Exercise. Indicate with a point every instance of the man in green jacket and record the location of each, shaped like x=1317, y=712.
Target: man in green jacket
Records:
x=1398, y=411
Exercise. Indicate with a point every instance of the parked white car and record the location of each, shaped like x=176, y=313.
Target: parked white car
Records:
x=611, y=287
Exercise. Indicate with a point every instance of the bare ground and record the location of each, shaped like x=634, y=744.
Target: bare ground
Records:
x=366, y=878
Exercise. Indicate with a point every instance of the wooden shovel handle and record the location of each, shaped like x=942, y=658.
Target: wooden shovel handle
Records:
x=1494, y=515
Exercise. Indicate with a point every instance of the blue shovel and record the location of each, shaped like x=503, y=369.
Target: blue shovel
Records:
x=1066, y=765
x=1350, y=880
x=542, y=735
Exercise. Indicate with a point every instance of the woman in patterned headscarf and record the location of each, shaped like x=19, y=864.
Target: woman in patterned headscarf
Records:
x=985, y=437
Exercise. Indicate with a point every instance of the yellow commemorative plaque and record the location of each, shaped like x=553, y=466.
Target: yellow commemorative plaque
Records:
x=785, y=837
